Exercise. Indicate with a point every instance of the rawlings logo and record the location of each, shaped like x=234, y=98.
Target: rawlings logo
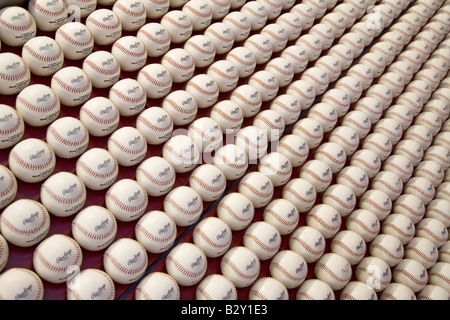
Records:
x=51, y=3
x=230, y=69
x=185, y=58
x=318, y=242
x=18, y=16
x=217, y=179
x=285, y=165
x=70, y=189
x=318, y=128
x=247, y=208
x=135, y=5
x=77, y=79
x=265, y=186
x=108, y=62
x=80, y=33
x=207, y=44
x=104, y=164
x=108, y=18
x=48, y=46
x=222, y=234
x=183, y=18
x=300, y=268
x=189, y=149
x=210, y=83
x=134, y=141
x=102, y=225
x=6, y=118
x=240, y=157
x=166, y=171
x=235, y=111
x=106, y=110
x=31, y=219
x=24, y=293
x=335, y=218
x=135, y=45
x=187, y=101
x=160, y=32
x=13, y=66
x=74, y=131
x=162, y=118
x=193, y=202
x=360, y=245
x=134, y=259
x=64, y=257
x=164, y=229
x=251, y=265
x=197, y=262
x=133, y=90
x=229, y=295
x=161, y=74
x=37, y=155
x=291, y=213
x=135, y=196
x=326, y=173
x=274, y=238
x=254, y=95
x=303, y=146
x=281, y=296
x=310, y=191
x=169, y=294
x=44, y=98
x=98, y=293
x=350, y=197
x=386, y=272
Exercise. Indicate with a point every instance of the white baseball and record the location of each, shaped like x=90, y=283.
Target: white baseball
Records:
x=318, y=173
x=248, y=98
x=75, y=40
x=256, y=13
x=375, y=61
x=128, y=145
x=155, y=124
x=430, y=170
x=157, y=286
x=130, y=52
x=439, y=107
x=98, y=168
x=340, y=197
x=277, y=35
x=63, y=194
x=231, y=160
x=72, y=86
x=331, y=65
x=400, y=226
x=125, y=260
x=100, y=116
x=400, y=165
x=202, y=50
x=436, y=275
x=156, y=231
x=401, y=113
x=68, y=137
x=239, y=23
x=325, y=33
x=422, y=250
x=155, y=37
x=132, y=14
x=200, y=13
x=14, y=280
x=25, y=222
x=363, y=73
x=12, y=128
x=216, y=287
x=228, y=115
x=296, y=55
x=439, y=209
x=432, y=229
x=338, y=99
x=412, y=100
x=94, y=228
x=32, y=160
x=206, y=133
x=288, y=267
x=306, y=13
x=442, y=139
x=411, y=273
x=421, y=187
x=156, y=9
x=315, y=289
x=356, y=290
x=236, y=210
x=318, y=78
x=332, y=154
x=187, y=264
x=301, y=193
x=371, y=107
x=308, y=242
x=182, y=153
x=374, y=272
x=294, y=148
x=432, y=292
x=49, y=15
x=355, y=178
x=268, y=288
x=333, y=269
x=363, y=222
x=349, y=245
x=204, y=89
x=221, y=35
x=388, y=182
x=38, y=105
x=219, y=8
x=213, y=236
x=310, y=131
x=105, y=26
x=180, y=63
x=312, y=45
x=350, y=85
x=129, y=96
x=411, y=149
x=272, y=122
x=253, y=141
x=346, y=137
x=184, y=205
x=43, y=55
x=277, y=167
x=225, y=74
x=17, y=26
x=57, y=258
x=178, y=24
x=397, y=291
x=102, y=68
x=287, y=106
x=325, y=219
x=91, y=284
x=257, y=187
x=181, y=106
x=208, y=181
x=241, y=265
x=8, y=187
x=379, y=143
x=283, y=215
x=261, y=46
x=376, y=201
x=243, y=59
x=127, y=200
x=15, y=74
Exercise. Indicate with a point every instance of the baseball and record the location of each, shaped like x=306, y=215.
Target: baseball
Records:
x=358, y=121
x=57, y=258
x=225, y=74
x=432, y=292
x=411, y=273
x=187, y=264
x=72, y=86
x=430, y=170
x=155, y=124
x=180, y=63
x=157, y=286
x=75, y=40
x=204, y=89
x=182, y=153
x=43, y=55
x=208, y=181
x=21, y=284
x=156, y=231
x=216, y=287
x=401, y=114
x=49, y=15
x=340, y=197
x=294, y=148
x=400, y=165
x=261, y=46
x=102, y=68
x=200, y=13
x=363, y=222
x=379, y=143
x=334, y=270
x=8, y=186
x=221, y=35
x=371, y=107
x=332, y=154
x=356, y=290
x=411, y=149
x=325, y=34
x=296, y=55
x=213, y=236
x=325, y=219
x=318, y=173
x=272, y=122
x=375, y=61
x=248, y=98
x=346, y=137
x=277, y=167
x=25, y=223
x=439, y=209
x=343, y=53
x=430, y=120
x=219, y=8
x=351, y=86
x=14, y=73
x=282, y=214
x=436, y=275
x=355, y=178
x=362, y=73
x=277, y=35
x=349, y=245
x=301, y=193
x=257, y=187
x=129, y=96
x=432, y=229
x=268, y=288
x=376, y=201
x=178, y=24
x=125, y=260
x=388, y=182
x=100, y=116
x=306, y=13
x=38, y=105
x=310, y=131
x=231, y=160
x=12, y=127
x=98, y=168
x=206, y=133
x=105, y=26
x=256, y=14
x=238, y=22
x=63, y=194
x=181, y=107
x=397, y=291
x=94, y=228
x=32, y=160
x=387, y=247
x=184, y=205
x=421, y=187
x=253, y=141
x=288, y=107
x=318, y=78
x=236, y=210
x=308, y=242
x=355, y=41
x=331, y=65
x=442, y=139
x=91, y=284
x=315, y=289
x=155, y=37
x=240, y=265
x=202, y=50
x=68, y=137
x=156, y=9
x=128, y=145
x=400, y=226
x=132, y=14
x=338, y=99
x=439, y=107
x=17, y=26
x=374, y=272
x=422, y=250
x=243, y=59
x=228, y=115
x=412, y=100
x=311, y=44
x=130, y=52
x=288, y=267
x=324, y=114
